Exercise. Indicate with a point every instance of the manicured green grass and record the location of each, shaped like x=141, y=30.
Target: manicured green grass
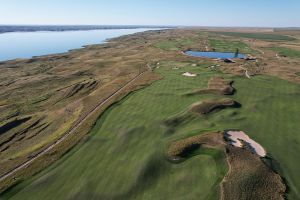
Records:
x=230, y=46
x=173, y=45
x=291, y=53
x=168, y=46
x=124, y=156
x=260, y=36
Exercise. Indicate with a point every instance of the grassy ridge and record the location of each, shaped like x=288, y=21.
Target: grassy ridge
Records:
x=291, y=53
x=230, y=46
x=260, y=36
x=124, y=157
x=173, y=45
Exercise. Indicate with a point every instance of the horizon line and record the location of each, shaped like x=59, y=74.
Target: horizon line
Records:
x=139, y=25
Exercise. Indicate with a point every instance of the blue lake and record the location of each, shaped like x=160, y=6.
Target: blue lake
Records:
x=27, y=44
x=221, y=55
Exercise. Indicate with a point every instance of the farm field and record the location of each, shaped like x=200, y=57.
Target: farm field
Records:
x=123, y=150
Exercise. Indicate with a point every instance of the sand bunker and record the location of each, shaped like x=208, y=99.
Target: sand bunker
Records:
x=188, y=74
x=239, y=138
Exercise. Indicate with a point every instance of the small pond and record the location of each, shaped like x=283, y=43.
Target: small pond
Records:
x=212, y=54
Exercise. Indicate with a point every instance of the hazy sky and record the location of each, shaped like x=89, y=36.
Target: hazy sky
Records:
x=152, y=12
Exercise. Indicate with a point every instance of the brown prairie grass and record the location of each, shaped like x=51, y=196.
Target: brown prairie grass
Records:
x=181, y=148
x=249, y=177
x=65, y=146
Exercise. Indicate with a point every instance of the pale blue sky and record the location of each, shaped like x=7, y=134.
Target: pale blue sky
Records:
x=274, y=13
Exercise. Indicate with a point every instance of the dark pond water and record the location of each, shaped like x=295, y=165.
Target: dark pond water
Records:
x=221, y=55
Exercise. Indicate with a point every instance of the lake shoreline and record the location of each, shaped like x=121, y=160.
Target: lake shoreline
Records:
x=51, y=43
x=62, y=28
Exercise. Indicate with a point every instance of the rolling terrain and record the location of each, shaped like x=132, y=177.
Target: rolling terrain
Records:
x=162, y=136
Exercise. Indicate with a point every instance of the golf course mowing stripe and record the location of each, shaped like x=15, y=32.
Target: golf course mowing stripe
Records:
x=127, y=144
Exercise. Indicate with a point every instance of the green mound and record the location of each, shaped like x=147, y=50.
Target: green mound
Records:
x=260, y=36
x=183, y=148
x=230, y=46
x=209, y=106
x=216, y=85
x=286, y=52
x=127, y=145
x=248, y=178
x=173, y=45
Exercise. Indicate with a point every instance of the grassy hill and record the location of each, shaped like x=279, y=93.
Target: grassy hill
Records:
x=124, y=156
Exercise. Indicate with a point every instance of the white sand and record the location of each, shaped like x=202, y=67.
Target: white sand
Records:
x=238, y=136
x=189, y=74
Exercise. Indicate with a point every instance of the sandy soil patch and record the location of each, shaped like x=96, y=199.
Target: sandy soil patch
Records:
x=239, y=138
x=188, y=74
